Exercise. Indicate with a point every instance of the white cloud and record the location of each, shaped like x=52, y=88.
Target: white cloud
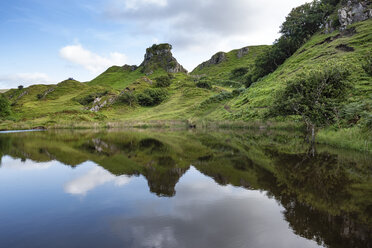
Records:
x=25, y=79
x=136, y=4
x=199, y=28
x=95, y=63
x=94, y=178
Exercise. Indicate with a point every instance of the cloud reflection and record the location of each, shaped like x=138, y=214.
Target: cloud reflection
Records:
x=94, y=178
x=205, y=214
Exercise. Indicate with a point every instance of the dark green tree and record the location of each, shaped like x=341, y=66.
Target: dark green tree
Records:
x=315, y=96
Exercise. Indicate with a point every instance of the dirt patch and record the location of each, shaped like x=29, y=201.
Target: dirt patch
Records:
x=345, y=48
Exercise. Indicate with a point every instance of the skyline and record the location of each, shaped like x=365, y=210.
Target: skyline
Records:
x=47, y=42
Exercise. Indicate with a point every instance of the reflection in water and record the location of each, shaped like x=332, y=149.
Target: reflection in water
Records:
x=95, y=177
x=273, y=193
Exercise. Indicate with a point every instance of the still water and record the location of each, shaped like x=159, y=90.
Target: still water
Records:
x=163, y=188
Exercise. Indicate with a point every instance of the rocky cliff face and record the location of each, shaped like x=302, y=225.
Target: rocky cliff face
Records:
x=160, y=57
x=215, y=60
x=354, y=11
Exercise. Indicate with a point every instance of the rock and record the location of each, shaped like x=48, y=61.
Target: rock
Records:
x=130, y=67
x=215, y=60
x=97, y=105
x=160, y=57
x=22, y=94
x=242, y=52
x=328, y=27
x=354, y=11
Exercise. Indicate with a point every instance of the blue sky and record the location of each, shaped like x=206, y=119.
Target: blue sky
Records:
x=49, y=41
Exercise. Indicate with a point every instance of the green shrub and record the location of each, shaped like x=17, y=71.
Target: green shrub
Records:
x=237, y=92
x=152, y=97
x=218, y=98
x=127, y=98
x=239, y=72
x=39, y=96
x=205, y=84
x=90, y=98
x=5, y=109
x=315, y=96
x=231, y=83
x=367, y=64
x=163, y=81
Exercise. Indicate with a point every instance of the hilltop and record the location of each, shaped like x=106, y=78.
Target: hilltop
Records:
x=240, y=85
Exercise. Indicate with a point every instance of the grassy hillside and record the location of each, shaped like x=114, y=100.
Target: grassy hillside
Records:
x=223, y=70
x=321, y=49
x=119, y=77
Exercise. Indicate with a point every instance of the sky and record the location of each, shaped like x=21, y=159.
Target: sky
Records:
x=45, y=42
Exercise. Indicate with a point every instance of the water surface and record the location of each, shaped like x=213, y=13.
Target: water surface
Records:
x=161, y=188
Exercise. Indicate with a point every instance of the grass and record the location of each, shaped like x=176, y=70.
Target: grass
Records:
x=223, y=70
x=351, y=138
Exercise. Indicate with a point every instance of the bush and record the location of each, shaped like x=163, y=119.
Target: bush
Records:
x=231, y=83
x=205, y=84
x=218, y=98
x=127, y=98
x=20, y=87
x=90, y=98
x=367, y=64
x=239, y=72
x=315, y=96
x=39, y=96
x=163, y=81
x=5, y=110
x=237, y=92
x=152, y=97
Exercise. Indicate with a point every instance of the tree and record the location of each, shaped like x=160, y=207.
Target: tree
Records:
x=20, y=87
x=5, y=110
x=300, y=24
x=315, y=96
x=127, y=98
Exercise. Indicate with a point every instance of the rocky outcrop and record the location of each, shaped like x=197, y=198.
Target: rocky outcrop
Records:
x=354, y=11
x=242, y=52
x=99, y=103
x=215, y=60
x=43, y=95
x=160, y=57
x=130, y=67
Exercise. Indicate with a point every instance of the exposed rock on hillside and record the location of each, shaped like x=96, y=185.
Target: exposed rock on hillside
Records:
x=354, y=11
x=215, y=60
x=242, y=52
x=160, y=57
x=130, y=67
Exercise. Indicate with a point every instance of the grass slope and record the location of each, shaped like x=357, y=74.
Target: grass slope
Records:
x=222, y=71
x=318, y=51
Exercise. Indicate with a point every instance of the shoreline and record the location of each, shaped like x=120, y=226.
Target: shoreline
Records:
x=347, y=138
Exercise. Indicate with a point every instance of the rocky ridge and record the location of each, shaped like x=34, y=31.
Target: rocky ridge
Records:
x=160, y=57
